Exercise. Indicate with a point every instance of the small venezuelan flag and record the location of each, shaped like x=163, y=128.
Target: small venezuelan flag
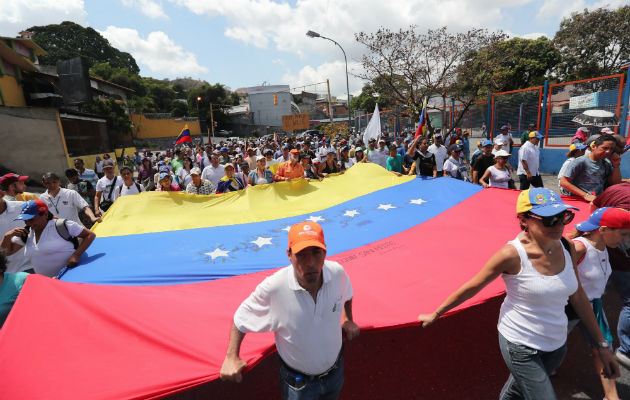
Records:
x=184, y=136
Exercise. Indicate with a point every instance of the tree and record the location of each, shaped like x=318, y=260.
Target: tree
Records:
x=507, y=65
x=114, y=112
x=370, y=95
x=178, y=108
x=215, y=94
x=412, y=65
x=68, y=40
x=593, y=43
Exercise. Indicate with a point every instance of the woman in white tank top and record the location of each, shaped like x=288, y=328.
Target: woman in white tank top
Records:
x=606, y=227
x=540, y=278
x=497, y=175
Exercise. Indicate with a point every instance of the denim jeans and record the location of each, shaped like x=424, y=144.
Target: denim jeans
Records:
x=529, y=371
x=300, y=387
x=621, y=280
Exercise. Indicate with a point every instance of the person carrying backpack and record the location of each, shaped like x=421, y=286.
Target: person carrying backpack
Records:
x=49, y=244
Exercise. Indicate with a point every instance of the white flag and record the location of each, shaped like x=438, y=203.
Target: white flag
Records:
x=373, y=130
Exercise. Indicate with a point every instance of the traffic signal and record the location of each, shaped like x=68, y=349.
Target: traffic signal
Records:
x=275, y=99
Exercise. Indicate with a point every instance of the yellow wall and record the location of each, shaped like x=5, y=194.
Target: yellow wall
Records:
x=12, y=92
x=144, y=128
x=90, y=159
x=128, y=152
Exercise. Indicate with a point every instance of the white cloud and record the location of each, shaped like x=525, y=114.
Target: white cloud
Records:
x=553, y=9
x=283, y=26
x=17, y=15
x=334, y=71
x=157, y=52
x=556, y=9
x=150, y=8
x=263, y=22
x=533, y=35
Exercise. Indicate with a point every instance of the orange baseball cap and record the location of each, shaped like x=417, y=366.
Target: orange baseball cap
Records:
x=306, y=234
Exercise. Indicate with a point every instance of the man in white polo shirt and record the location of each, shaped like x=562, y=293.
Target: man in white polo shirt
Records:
x=64, y=203
x=528, y=162
x=305, y=305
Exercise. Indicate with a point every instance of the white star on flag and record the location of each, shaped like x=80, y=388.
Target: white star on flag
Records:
x=351, y=213
x=261, y=241
x=385, y=207
x=315, y=218
x=218, y=253
x=557, y=205
x=287, y=228
x=417, y=201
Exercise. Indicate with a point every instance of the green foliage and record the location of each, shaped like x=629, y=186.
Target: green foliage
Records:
x=216, y=94
x=370, y=95
x=179, y=108
x=593, y=43
x=68, y=40
x=113, y=110
x=508, y=65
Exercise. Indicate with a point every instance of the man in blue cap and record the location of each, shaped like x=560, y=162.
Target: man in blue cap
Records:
x=529, y=161
x=484, y=161
x=506, y=137
x=224, y=158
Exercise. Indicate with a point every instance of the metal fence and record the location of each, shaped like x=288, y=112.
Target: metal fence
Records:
x=567, y=100
x=517, y=109
x=550, y=108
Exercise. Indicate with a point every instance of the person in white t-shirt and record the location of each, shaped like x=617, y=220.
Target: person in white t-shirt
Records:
x=308, y=339
x=213, y=172
x=378, y=155
x=506, y=137
x=44, y=247
x=106, y=189
x=440, y=153
x=454, y=166
x=129, y=186
x=9, y=210
x=64, y=203
x=269, y=160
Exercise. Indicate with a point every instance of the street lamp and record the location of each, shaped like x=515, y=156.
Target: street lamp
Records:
x=198, y=101
x=312, y=34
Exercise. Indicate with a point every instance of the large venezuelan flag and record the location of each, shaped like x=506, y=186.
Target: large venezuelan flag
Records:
x=148, y=312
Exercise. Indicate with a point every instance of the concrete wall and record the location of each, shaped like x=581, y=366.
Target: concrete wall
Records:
x=145, y=128
x=11, y=92
x=261, y=104
x=31, y=141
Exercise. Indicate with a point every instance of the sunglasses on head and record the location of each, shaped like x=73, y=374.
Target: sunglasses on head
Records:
x=565, y=217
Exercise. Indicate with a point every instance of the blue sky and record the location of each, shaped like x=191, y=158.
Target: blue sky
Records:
x=248, y=42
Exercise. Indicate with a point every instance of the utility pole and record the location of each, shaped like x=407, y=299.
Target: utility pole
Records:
x=330, y=108
x=212, y=119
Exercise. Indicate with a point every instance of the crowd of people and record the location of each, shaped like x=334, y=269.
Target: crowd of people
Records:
x=48, y=233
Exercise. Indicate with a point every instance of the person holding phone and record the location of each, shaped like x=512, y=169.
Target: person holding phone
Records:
x=539, y=271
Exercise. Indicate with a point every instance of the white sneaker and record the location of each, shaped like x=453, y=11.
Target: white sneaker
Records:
x=623, y=359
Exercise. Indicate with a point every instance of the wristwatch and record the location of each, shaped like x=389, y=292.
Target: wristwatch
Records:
x=603, y=344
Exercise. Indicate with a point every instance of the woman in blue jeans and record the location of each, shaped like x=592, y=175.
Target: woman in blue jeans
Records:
x=538, y=269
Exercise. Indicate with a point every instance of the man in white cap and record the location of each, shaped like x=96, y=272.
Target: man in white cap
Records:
x=307, y=305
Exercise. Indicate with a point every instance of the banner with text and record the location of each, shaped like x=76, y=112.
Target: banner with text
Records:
x=294, y=122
